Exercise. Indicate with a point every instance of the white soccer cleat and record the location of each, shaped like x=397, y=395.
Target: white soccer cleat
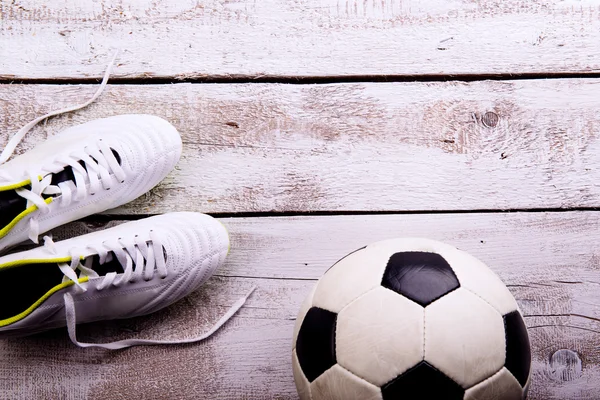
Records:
x=130, y=270
x=84, y=170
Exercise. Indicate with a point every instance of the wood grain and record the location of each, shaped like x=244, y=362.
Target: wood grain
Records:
x=57, y=39
x=353, y=147
x=549, y=261
x=429, y=146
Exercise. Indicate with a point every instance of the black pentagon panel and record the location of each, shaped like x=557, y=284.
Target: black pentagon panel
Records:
x=347, y=255
x=420, y=276
x=422, y=382
x=518, y=350
x=315, y=345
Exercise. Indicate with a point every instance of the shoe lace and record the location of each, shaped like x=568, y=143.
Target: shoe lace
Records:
x=121, y=344
x=99, y=163
x=139, y=258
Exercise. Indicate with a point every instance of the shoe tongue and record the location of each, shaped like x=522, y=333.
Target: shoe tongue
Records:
x=112, y=264
x=109, y=266
x=67, y=173
x=63, y=176
x=11, y=205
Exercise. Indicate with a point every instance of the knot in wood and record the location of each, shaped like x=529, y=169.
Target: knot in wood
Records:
x=565, y=365
x=490, y=119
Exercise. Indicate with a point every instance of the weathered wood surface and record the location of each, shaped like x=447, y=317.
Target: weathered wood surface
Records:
x=484, y=145
x=354, y=147
x=550, y=262
x=219, y=38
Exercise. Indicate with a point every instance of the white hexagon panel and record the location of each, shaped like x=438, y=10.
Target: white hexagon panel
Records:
x=352, y=276
x=380, y=335
x=474, y=275
x=501, y=386
x=337, y=383
x=464, y=337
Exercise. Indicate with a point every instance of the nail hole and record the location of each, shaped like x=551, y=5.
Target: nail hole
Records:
x=490, y=119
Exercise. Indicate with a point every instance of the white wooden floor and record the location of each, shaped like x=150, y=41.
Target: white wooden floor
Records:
x=315, y=127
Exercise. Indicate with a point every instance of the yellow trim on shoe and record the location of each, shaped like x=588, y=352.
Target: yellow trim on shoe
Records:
x=28, y=261
x=15, y=185
x=18, y=185
x=4, y=231
x=35, y=305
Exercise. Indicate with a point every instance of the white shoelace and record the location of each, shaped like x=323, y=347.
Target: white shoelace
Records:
x=141, y=259
x=121, y=344
x=99, y=163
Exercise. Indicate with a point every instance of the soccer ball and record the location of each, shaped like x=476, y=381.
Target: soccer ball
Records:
x=410, y=319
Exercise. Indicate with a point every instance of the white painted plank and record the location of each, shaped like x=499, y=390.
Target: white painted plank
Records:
x=218, y=38
x=548, y=260
x=360, y=147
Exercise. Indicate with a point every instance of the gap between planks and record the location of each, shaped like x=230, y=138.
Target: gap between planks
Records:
x=301, y=80
x=104, y=218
